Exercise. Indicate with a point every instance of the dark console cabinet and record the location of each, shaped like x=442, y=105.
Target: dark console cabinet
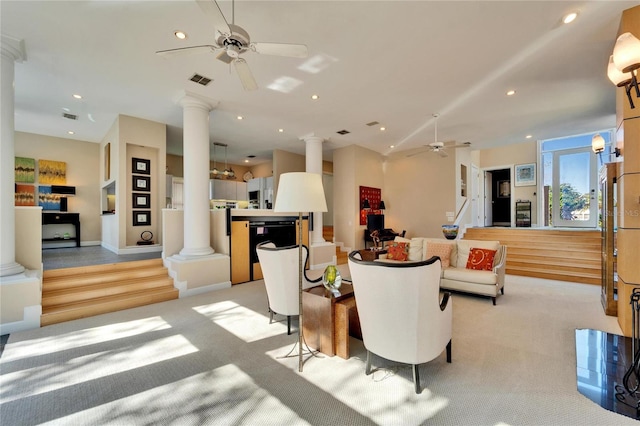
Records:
x=59, y=218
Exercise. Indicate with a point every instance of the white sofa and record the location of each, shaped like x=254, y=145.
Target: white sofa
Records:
x=456, y=276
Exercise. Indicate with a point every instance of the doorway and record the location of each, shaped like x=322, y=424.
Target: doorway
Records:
x=497, y=197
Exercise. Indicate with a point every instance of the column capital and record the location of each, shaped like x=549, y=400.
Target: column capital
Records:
x=13, y=48
x=190, y=99
x=312, y=137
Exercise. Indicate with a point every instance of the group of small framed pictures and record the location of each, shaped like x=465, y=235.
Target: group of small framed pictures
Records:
x=141, y=199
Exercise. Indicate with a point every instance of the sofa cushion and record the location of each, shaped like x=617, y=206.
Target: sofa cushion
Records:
x=398, y=251
x=481, y=259
x=471, y=276
x=454, y=251
x=465, y=246
x=442, y=250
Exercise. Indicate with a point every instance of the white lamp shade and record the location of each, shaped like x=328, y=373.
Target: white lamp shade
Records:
x=597, y=143
x=626, y=53
x=300, y=192
x=615, y=75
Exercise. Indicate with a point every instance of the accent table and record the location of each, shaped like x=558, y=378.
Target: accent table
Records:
x=329, y=321
x=371, y=255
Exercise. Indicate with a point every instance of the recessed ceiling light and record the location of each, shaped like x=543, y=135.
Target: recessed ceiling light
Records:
x=246, y=161
x=383, y=129
x=528, y=136
x=281, y=130
x=180, y=35
x=392, y=146
x=314, y=97
x=511, y=92
x=71, y=132
x=240, y=117
x=77, y=96
x=567, y=19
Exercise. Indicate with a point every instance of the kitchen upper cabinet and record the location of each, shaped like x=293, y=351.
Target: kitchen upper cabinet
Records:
x=220, y=189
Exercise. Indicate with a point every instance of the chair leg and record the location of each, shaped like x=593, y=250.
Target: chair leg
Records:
x=416, y=378
x=494, y=301
x=449, y=352
x=270, y=316
x=367, y=368
x=288, y=324
x=502, y=290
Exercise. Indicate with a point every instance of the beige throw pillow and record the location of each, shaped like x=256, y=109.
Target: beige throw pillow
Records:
x=443, y=250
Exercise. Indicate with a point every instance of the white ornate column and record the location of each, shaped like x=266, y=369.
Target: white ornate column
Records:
x=197, y=224
x=12, y=51
x=313, y=150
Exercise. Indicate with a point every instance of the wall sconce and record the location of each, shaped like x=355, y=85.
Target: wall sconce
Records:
x=365, y=204
x=617, y=152
x=624, y=64
x=597, y=143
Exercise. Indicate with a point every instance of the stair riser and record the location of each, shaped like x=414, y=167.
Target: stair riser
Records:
x=103, y=308
x=87, y=293
x=94, y=279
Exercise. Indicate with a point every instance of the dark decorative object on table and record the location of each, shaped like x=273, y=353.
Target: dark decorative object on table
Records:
x=375, y=236
x=146, y=238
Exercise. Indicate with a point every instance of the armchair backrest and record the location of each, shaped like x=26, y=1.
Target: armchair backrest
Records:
x=399, y=308
x=280, y=270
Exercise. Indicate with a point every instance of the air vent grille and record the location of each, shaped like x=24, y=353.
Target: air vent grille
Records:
x=197, y=78
x=69, y=116
x=343, y=132
x=373, y=123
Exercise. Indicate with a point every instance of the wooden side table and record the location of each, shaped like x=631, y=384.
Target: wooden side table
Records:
x=371, y=255
x=328, y=321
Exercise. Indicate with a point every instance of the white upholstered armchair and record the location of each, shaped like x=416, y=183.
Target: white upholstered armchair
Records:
x=402, y=315
x=280, y=269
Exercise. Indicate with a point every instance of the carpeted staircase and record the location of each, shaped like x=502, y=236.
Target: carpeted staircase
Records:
x=341, y=256
x=73, y=293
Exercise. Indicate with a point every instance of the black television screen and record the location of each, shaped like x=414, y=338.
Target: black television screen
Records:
x=375, y=221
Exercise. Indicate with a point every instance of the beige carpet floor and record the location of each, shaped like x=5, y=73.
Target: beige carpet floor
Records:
x=214, y=359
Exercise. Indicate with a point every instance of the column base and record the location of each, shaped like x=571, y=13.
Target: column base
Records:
x=322, y=255
x=199, y=274
x=194, y=253
x=9, y=269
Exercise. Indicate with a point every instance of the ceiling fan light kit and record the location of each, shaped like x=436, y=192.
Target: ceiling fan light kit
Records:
x=233, y=41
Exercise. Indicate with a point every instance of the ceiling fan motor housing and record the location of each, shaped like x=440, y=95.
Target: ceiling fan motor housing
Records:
x=236, y=42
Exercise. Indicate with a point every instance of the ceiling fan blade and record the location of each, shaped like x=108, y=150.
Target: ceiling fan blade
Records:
x=281, y=49
x=224, y=57
x=182, y=51
x=212, y=10
x=442, y=153
x=245, y=75
x=417, y=153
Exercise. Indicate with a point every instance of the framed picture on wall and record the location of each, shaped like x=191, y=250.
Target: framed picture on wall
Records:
x=141, y=183
x=504, y=189
x=525, y=174
x=141, y=201
x=141, y=166
x=141, y=218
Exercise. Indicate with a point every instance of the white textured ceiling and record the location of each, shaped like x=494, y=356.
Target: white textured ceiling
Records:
x=395, y=62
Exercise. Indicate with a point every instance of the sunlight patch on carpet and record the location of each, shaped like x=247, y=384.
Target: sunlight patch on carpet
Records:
x=70, y=369
x=85, y=337
x=244, y=323
x=224, y=396
x=385, y=396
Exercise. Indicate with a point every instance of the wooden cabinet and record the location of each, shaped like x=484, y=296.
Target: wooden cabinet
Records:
x=61, y=219
x=240, y=253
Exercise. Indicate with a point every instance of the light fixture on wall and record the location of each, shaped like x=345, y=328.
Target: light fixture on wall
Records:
x=624, y=64
x=597, y=143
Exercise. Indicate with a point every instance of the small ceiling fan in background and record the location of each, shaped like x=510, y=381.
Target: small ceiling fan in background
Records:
x=438, y=147
x=233, y=41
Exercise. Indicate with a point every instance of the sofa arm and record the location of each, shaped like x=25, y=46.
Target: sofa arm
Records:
x=500, y=265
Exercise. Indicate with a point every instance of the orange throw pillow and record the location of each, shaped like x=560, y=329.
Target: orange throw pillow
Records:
x=442, y=250
x=398, y=251
x=481, y=259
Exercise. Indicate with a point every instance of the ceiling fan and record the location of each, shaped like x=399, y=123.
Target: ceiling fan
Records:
x=438, y=147
x=232, y=41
